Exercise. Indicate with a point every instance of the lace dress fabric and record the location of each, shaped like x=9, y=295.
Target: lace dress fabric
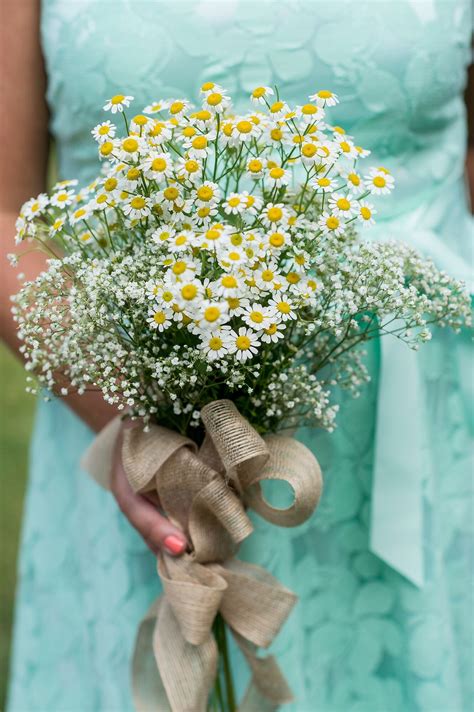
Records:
x=363, y=637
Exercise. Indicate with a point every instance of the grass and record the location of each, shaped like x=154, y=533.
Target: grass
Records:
x=16, y=414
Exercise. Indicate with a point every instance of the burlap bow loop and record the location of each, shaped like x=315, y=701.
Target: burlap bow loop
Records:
x=206, y=493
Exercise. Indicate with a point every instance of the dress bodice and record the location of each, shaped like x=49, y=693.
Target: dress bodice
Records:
x=397, y=65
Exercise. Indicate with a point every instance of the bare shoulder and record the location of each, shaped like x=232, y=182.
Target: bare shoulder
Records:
x=23, y=109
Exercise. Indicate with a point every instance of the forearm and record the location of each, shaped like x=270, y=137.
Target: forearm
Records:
x=90, y=407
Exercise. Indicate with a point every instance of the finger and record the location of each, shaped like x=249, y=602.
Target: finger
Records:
x=156, y=529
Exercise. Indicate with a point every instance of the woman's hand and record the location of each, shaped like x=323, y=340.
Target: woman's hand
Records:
x=155, y=529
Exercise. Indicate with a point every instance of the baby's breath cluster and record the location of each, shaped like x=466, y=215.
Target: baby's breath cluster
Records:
x=218, y=255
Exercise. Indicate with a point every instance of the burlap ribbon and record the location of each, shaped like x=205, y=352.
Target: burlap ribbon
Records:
x=206, y=493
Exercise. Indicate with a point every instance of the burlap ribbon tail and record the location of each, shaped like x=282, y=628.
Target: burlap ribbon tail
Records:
x=206, y=492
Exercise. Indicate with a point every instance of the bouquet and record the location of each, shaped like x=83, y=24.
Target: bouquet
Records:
x=213, y=283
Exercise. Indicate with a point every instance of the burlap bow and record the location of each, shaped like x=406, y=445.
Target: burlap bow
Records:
x=206, y=492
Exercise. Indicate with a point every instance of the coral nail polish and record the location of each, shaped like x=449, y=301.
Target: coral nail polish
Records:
x=174, y=545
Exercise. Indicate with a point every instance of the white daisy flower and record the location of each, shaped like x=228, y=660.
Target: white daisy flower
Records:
x=259, y=94
x=244, y=343
x=277, y=177
x=159, y=133
x=62, y=198
x=257, y=316
x=130, y=147
x=231, y=257
x=255, y=168
x=234, y=204
x=277, y=240
x=160, y=319
x=188, y=293
x=278, y=109
x=324, y=184
x=117, y=103
x=253, y=203
x=273, y=333
x=208, y=193
x=189, y=169
x=157, y=165
x=35, y=206
x=216, y=101
x=331, y=224
x=228, y=285
x=104, y=131
x=310, y=113
x=82, y=213
x=343, y=205
x=68, y=183
x=177, y=107
x=181, y=270
x=379, y=181
x=211, y=314
x=245, y=130
x=324, y=98
x=273, y=214
x=346, y=147
x=163, y=235
x=57, y=226
x=283, y=309
x=366, y=211
x=156, y=107
x=215, y=345
x=181, y=241
x=137, y=207
x=354, y=182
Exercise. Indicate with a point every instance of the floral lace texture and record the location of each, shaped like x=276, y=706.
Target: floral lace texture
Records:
x=362, y=637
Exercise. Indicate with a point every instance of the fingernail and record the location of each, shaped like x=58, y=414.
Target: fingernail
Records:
x=174, y=544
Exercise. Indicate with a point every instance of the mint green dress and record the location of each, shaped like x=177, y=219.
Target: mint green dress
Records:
x=383, y=569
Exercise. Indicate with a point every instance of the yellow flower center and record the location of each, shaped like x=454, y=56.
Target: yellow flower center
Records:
x=130, y=145
x=366, y=213
x=258, y=92
x=205, y=193
x=104, y=130
x=167, y=296
x=274, y=214
x=159, y=317
x=176, y=107
x=283, y=307
x=171, y=193
x=256, y=317
x=207, y=86
x=191, y=166
x=343, y=204
x=379, y=182
x=214, y=99
x=204, y=211
x=140, y=120
x=117, y=99
x=272, y=329
x=345, y=147
x=324, y=94
x=276, y=107
x=244, y=127
x=229, y=282
x=79, y=213
x=255, y=166
x=309, y=150
x=213, y=234
x=157, y=129
x=243, y=343
x=110, y=184
x=102, y=198
x=233, y=302
x=159, y=164
x=312, y=284
x=277, y=239
x=212, y=314
x=332, y=222
x=199, y=142
x=267, y=275
x=324, y=182
x=276, y=134
x=181, y=240
x=277, y=173
x=133, y=174
x=106, y=148
x=138, y=203
x=353, y=178
x=215, y=343
x=234, y=256
x=203, y=115
x=234, y=202
x=293, y=277
x=309, y=109
x=179, y=267
x=189, y=291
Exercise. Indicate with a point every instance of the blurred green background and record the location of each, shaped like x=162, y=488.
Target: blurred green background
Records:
x=16, y=415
